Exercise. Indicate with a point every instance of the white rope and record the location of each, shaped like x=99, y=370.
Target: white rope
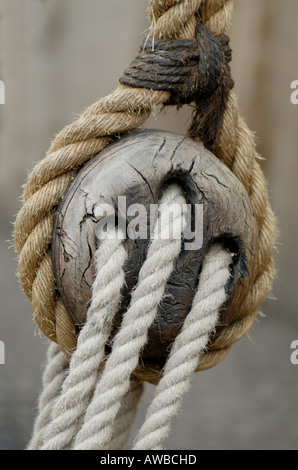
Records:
x=110, y=391
x=188, y=346
x=126, y=416
x=79, y=385
x=95, y=411
x=52, y=381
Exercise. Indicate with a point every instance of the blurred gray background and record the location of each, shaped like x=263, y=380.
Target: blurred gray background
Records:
x=56, y=58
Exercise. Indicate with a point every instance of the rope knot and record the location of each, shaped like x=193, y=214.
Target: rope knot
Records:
x=192, y=70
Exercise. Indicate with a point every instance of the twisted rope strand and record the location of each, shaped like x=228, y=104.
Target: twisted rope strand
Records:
x=110, y=391
x=126, y=416
x=52, y=381
x=187, y=348
x=83, y=371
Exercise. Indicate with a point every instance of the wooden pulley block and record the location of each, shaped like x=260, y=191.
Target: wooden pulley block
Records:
x=135, y=170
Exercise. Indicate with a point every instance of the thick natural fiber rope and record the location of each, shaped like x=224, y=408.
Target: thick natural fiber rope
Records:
x=53, y=378
x=99, y=424
x=187, y=348
x=55, y=374
x=126, y=416
x=126, y=109
x=132, y=337
x=82, y=416
x=83, y=372
x=95, y=410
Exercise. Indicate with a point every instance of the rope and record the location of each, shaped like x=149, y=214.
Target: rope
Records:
x=83, y=370
x=126, y=416
x=52, y=381
x=124, y=110
x=193, y=71
x=91, y=410
x=53, y=378
x=63, y=425
x=97, y=429
x=194, y=337
x=185, y=67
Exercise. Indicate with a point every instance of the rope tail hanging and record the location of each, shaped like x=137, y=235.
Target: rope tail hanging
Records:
x=90, y=397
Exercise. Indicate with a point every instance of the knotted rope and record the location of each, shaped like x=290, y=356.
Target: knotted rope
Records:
x=193, y=70
x=124, y=110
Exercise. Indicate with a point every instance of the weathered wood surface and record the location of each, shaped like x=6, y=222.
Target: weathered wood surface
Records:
x=139, y=167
